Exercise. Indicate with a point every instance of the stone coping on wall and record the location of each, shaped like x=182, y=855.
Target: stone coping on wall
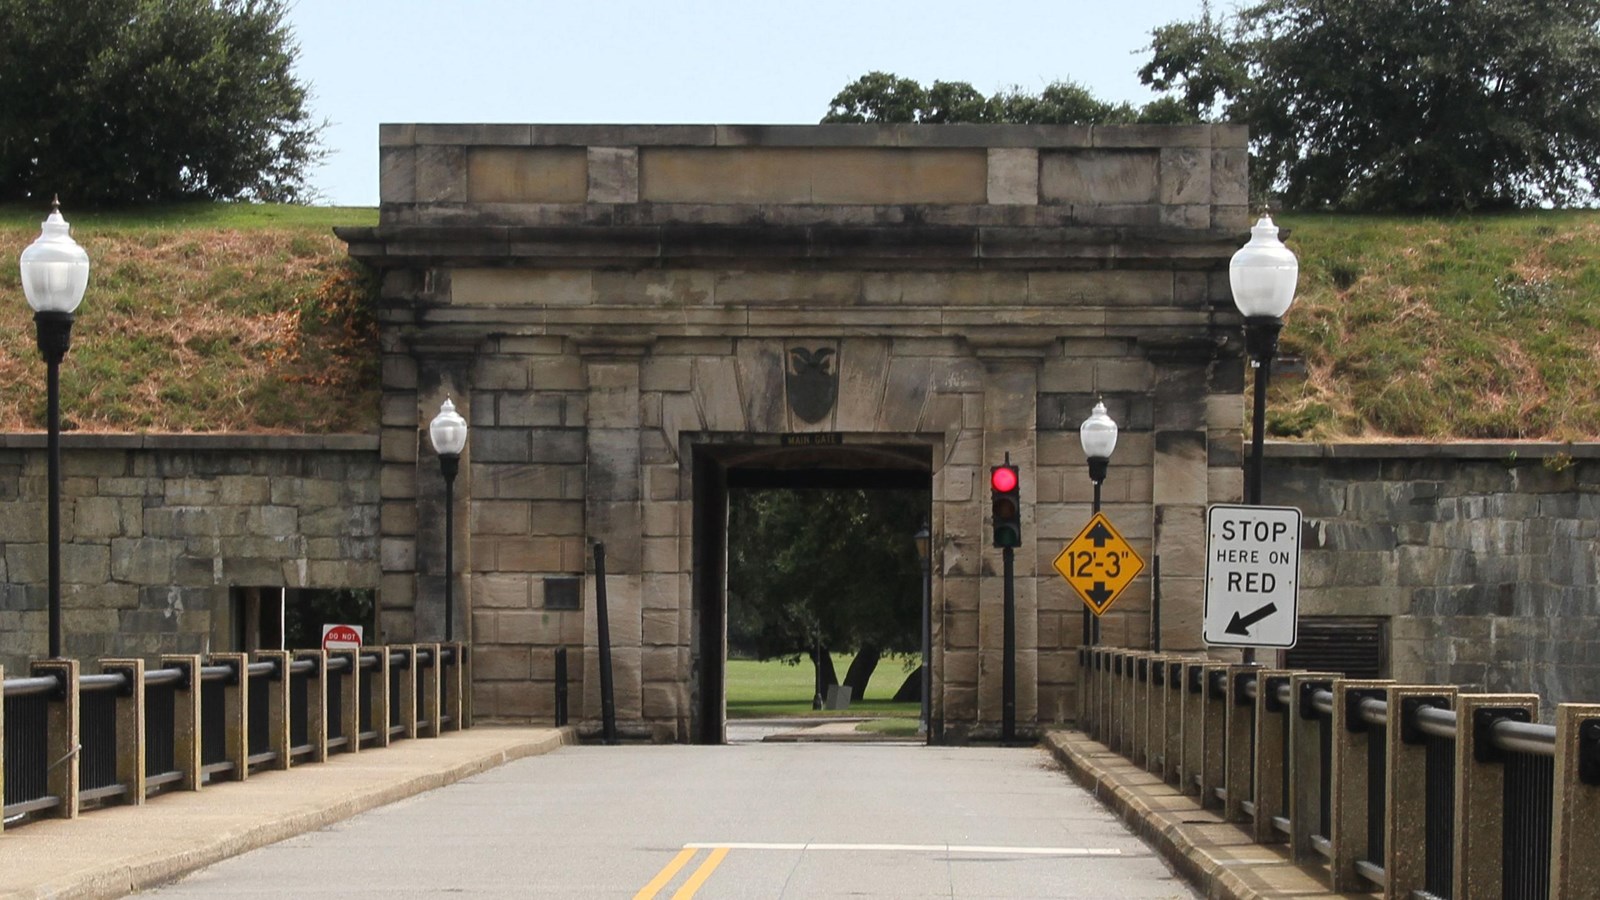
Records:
x=843, y=135
x=1499, y=451
x=336, y=443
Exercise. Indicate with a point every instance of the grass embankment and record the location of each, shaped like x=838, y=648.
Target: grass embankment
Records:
x=235, y=317
x=772, y=688
x=1474, y=327
x=200, y=318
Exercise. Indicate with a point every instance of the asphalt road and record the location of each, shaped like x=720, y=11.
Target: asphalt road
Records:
x=745, y=820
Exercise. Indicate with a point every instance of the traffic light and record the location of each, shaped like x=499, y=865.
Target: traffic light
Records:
x=1005, y=494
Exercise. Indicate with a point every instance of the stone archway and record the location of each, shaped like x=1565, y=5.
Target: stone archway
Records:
x=601, y=300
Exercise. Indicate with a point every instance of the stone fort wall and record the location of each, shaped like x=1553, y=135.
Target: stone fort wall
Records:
x=1480, y=558
x=1483, y=558
x=157, y=530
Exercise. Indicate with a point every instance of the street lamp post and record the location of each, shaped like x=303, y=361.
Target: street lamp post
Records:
x=1098, y=434
x=924, y=540
x=55, y=272
x=448, y=433
x=1262, y=275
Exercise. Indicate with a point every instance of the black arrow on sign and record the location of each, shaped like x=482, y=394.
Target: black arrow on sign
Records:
x=1099, y=534
x=1241, y=624
x=1099, y=596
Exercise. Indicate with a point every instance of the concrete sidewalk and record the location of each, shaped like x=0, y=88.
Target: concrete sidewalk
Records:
x=1218, y=858
x=114, y=851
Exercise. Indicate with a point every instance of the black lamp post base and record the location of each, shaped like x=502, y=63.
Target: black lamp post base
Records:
x=55, y=335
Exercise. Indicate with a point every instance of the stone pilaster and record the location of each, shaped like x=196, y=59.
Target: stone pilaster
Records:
x=614, y=515
x=1010, y=418
x=445, y=370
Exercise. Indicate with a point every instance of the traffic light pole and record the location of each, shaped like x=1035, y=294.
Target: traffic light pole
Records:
x=1008, y=671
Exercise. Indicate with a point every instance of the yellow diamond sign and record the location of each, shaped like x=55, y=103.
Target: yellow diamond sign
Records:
x=1099, y=564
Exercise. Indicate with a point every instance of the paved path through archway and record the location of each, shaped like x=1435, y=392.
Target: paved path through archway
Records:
x=754, y=820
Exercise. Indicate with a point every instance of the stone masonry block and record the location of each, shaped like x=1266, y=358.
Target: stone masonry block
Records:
x=1013, y=176
x=613, y=174
x=1100, y=177
x=1185, y=176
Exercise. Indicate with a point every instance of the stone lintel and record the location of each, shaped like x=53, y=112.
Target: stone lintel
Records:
x=614, y=346
x=834, y=135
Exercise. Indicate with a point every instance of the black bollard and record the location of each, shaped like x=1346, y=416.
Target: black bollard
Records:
x=608, y=700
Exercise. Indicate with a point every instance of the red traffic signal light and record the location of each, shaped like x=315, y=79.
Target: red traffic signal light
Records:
x=1003, y=479
x=1005, y=497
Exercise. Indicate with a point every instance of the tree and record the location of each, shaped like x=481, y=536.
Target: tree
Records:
x=127, y=101
x=884, y=97
x=1400, y=105
x=829, y=569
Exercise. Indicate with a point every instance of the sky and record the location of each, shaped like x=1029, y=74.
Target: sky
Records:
x=683, y=61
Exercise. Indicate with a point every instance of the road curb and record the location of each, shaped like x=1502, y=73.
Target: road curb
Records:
x=1217, y=858
x=97, y=856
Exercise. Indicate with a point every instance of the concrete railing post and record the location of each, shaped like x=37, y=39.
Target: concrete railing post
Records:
x=1172, y=717
x=1271, y=723
x=2, y=749
x=1352, y=742
x=1102, y=688
x=453, y=685
x=1155, y=721
x=1405, y=821
x=1138, y=706
x=1114, y=720
x=466, y=686
x=1082, y=713
x=316, y=689
x=62, y=735
x=1480, y=792
x=130, y=727
x=236, y=711
x=375, y=681
x=277, y=689
x=1305, y=764
x=407, y=697
x=1214, y=732
x=1193, y=750
x=1574, y=862
x=428, y=691
x=1238, y=771
x=349, y=699
x=186, y=719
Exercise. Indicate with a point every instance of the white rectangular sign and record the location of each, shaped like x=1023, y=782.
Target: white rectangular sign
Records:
x=1252, y=576
x=341, y=637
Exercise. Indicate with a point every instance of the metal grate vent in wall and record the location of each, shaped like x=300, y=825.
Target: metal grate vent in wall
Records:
x=1358, y=647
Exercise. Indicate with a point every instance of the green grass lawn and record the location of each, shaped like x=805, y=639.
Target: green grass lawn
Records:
x=757, y=689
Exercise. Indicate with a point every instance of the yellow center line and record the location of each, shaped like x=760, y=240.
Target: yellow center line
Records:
x=701, y=874
x=666, y=874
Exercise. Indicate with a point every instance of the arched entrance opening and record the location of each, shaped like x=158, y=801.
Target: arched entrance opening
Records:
x=723, y=472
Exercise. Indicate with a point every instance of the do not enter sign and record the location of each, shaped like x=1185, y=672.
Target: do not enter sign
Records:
x=341, y=637
x=1252, y=576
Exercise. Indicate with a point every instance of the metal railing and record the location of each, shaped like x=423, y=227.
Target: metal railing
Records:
x=1380, y=785
x=75, y=741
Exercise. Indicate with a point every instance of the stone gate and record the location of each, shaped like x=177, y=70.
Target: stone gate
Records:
x=629, y=316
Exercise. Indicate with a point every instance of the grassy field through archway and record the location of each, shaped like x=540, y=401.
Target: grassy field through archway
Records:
x=772, y=688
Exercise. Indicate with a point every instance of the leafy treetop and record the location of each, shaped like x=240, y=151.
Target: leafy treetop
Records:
x=135, y=101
